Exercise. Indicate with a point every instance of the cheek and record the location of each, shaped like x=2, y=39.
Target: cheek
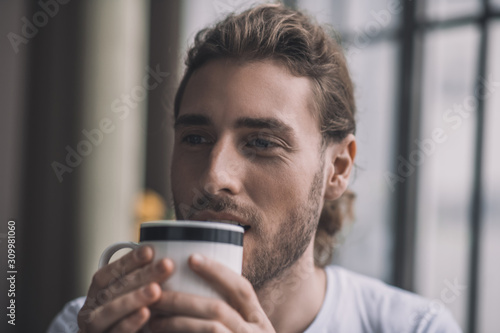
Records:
x=183, y=178
x=277, y=190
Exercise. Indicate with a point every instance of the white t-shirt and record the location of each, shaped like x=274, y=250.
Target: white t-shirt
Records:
x=356, y=303
x=353, y=303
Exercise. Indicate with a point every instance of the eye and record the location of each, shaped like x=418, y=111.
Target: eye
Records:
x=260, y=143
x=194, y=139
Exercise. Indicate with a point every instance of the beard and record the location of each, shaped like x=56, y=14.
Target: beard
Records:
x=277, y=253
x=274, y=253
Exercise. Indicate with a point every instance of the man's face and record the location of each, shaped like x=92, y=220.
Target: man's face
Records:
x=247, y=148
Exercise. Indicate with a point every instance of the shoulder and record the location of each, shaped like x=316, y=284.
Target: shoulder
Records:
x=66, y=320
x=381, y=307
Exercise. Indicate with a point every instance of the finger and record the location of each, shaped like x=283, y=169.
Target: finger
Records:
x=158, y=271
x=236, y=289
x=120, y=268
x=108, y=314
x=154, y=272
x=173, y=303
x=187, y=325
x=133, y=322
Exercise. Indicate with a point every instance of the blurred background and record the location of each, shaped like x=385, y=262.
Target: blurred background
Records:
x=86, y=90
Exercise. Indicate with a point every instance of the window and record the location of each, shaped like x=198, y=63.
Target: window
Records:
x=368, y=35
x=446, y=165
x=427, y=90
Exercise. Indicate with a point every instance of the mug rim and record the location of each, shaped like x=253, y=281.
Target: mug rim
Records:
x=193, y=224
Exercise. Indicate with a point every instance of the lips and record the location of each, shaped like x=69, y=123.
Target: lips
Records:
x=223, y=218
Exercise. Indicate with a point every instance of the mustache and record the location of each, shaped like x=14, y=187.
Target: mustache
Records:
x=219, y=204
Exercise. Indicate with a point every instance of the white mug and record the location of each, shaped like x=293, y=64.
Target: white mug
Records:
x=177, y=240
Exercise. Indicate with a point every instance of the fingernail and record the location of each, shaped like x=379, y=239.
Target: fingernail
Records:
x=148, y=291
x=163, y=265
x=197, y=259
x=143, y=253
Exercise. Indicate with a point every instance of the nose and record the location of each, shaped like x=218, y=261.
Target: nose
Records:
x=223, y=170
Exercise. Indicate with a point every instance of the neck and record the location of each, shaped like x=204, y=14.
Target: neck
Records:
x=283, y=299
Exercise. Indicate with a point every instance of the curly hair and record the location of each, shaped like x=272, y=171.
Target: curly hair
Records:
x=273, y=31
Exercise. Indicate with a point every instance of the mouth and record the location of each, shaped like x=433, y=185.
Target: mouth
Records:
x=223, y=218
x=245, y=227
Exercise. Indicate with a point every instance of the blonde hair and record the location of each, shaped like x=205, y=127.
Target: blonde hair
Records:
x=272, y=31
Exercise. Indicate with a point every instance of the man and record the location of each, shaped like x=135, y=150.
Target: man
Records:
x=264, y=135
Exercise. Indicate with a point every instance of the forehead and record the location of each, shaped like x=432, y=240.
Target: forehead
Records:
x=225, y=90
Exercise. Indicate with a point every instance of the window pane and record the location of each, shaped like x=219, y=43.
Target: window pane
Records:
x=495, y=4
x=366, y=18
x=367, y=245
x=489, y=301
x=445, y=153
x=444, y=9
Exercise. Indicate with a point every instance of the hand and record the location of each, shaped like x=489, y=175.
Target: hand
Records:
x=120, y=293
x=189, y=313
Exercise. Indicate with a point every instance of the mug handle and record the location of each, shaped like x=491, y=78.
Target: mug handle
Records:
x=112, y=249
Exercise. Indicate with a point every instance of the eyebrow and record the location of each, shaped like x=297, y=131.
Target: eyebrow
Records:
x=192, y=120
x=272, y=124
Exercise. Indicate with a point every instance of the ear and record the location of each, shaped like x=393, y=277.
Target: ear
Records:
x=341, y=158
